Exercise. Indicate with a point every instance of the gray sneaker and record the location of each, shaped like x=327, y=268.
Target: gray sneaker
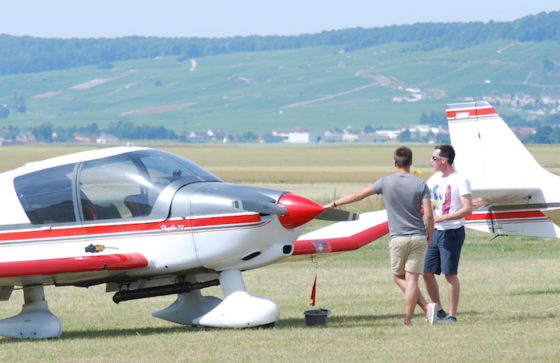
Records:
x=431, y=313
x=450, y=319
x=441, y=314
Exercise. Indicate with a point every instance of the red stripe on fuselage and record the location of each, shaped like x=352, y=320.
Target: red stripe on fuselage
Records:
x=53, y=266
x=505, y=215
x=60, y=232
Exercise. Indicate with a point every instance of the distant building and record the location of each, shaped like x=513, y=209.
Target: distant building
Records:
x=391, y=135
x=303, y=136
x=106, y=138
x=424, y=130
x=333, y=135
x=349, y=135
x=373, y=137
x=196, y=136
x=216, y=134
x=280, y=134
x=25, y=137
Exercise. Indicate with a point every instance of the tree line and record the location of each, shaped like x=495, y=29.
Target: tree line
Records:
x=24, y=54
x=547, y=131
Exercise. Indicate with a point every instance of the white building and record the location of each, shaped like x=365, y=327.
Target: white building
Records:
x=302, y=136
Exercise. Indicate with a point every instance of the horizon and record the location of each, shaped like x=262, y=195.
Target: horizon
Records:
x=270, y=35
x=212, y=19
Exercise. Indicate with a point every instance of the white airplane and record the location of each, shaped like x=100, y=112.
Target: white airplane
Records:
x=149, y=223
x=512, y=193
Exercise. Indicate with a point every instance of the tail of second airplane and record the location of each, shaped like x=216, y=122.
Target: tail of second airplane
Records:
x=512, y=193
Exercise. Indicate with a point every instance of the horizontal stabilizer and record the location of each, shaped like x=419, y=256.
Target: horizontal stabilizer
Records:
x=343, y=236
x=503, y=196
x=553, y=214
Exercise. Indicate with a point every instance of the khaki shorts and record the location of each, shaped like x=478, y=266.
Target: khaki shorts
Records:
x=408, y=254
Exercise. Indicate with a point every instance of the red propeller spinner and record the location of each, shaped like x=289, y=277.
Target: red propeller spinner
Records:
x=300, y=210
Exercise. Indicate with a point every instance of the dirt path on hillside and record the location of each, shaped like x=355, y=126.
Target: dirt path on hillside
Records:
x=158, y=109
x=328, y=97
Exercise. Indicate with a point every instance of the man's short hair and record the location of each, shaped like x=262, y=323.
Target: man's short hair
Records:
x=403, y=157
x=446, y=151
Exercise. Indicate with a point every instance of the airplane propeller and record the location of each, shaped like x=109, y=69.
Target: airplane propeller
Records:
x=260, y=207
x=338, y=215
x=263, y=207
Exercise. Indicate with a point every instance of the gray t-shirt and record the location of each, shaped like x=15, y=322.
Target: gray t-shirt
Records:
x=403, y=194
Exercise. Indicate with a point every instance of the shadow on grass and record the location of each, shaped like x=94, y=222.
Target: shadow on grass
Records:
x=341, y=321
x=536, y=292
x=353, y=321
x=121, y=333
x=336, y=322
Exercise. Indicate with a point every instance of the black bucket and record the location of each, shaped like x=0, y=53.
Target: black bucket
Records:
x=316, y=317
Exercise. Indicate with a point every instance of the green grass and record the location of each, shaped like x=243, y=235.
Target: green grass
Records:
x=509, y=311
x=509, y=307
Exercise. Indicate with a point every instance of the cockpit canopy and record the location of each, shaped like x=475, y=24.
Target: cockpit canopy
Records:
x=126, y=185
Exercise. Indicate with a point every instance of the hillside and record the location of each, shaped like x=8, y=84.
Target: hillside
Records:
x=320, y=87
x=23, y=54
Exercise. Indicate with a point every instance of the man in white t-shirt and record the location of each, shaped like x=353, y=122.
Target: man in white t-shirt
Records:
x=451, y=195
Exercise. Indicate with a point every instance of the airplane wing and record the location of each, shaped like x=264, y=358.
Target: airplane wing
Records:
x=342, y=236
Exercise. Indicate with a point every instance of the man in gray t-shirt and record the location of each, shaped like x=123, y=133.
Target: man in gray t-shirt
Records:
x=403, y=194
x=411, y=224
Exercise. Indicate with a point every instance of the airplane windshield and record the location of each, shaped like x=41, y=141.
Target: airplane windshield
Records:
x=122, y=186
x=128, y=185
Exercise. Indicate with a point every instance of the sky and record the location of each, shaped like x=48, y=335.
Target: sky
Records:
x=225, y=18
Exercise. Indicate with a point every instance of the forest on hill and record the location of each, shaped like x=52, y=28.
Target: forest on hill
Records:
x=24, y=54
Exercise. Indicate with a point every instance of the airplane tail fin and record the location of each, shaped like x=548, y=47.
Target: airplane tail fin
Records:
x=512, y=193
x=488, y=152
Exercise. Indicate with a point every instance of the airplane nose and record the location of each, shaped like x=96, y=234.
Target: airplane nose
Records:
x=300, y=210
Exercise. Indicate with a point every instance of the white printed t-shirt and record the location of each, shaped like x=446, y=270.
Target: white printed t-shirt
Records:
x=446, y=196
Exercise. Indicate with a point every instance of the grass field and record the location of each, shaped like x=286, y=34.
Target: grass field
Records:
x=509, y=309
x=283, y=164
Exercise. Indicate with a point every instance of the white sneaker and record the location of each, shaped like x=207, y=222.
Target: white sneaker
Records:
x=431, y=313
